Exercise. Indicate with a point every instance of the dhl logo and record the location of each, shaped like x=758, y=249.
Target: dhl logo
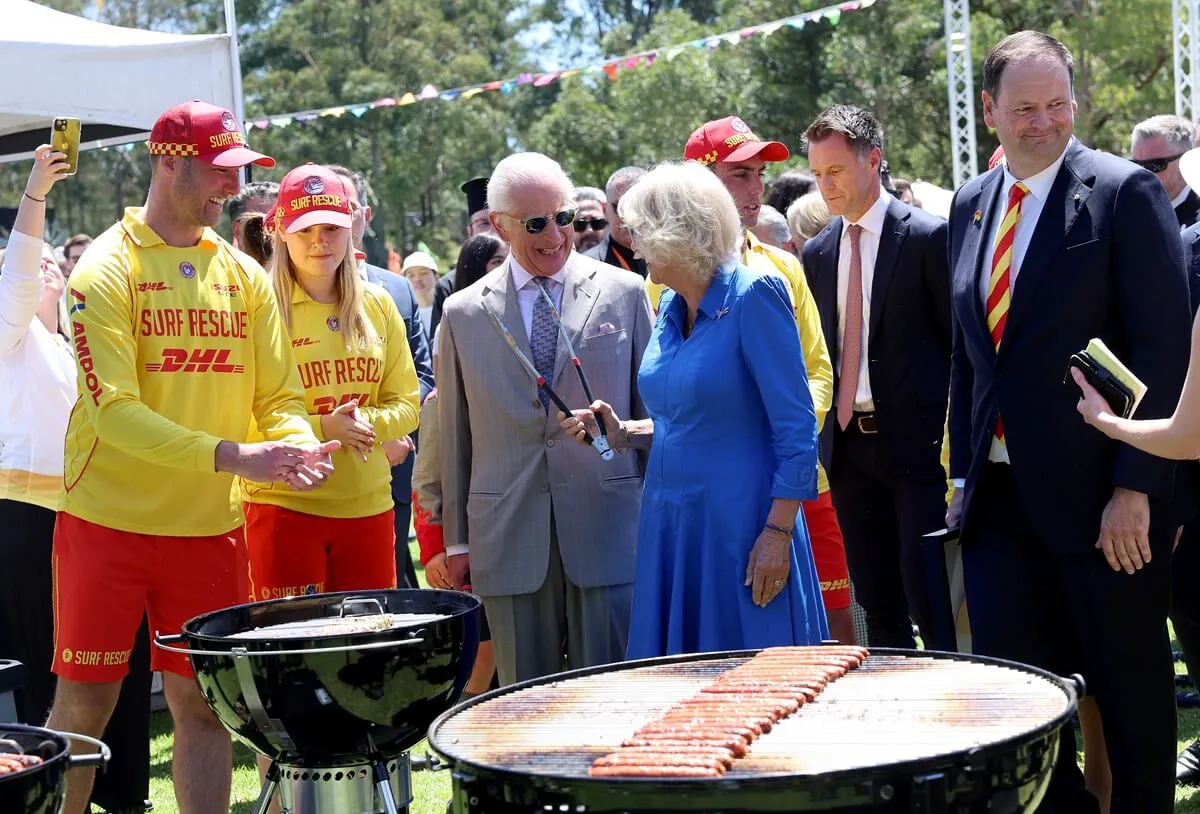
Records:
x=198, y=360
x=324, y=405
x=155, y=286
x=302, y=342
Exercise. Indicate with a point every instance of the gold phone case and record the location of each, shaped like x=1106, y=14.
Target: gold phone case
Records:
x=64, y=138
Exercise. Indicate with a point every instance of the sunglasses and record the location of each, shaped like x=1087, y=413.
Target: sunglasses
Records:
x=595, y=224
x=538, y=223
x=1156, y=164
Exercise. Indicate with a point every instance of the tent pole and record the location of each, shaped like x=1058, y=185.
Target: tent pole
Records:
x=235, y=68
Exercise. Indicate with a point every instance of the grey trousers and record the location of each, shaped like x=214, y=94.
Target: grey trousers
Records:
x=531, y=633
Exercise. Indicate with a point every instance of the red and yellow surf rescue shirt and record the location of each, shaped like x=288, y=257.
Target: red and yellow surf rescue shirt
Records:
x=175, y=350
x=381, y=376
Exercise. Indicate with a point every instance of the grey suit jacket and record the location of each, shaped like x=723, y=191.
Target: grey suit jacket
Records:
x=505, y=463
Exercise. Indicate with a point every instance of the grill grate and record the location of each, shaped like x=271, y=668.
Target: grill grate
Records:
x=889, y=710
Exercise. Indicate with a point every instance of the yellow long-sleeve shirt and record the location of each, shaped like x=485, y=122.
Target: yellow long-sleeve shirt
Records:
x=770, y=260
x=176, y=350
x=381, y=377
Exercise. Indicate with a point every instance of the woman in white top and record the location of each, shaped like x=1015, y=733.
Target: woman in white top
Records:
x=38, y=375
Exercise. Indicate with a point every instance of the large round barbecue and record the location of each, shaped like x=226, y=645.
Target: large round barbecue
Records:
x=910, y=731
x=334, y=688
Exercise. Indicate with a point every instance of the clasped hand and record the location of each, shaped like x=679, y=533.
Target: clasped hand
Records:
x=347, y=425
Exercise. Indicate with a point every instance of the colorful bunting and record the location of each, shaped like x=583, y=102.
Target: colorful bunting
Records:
x=610, y=68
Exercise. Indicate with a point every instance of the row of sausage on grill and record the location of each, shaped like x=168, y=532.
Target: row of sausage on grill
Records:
x=703, y=735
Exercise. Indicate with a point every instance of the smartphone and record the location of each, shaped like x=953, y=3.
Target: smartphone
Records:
x=64, y=138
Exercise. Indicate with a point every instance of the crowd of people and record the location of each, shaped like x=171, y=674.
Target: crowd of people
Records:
x=679, y=413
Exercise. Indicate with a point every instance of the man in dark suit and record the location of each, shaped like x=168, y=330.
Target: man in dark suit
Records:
x=399, y=453
x=1056, y=246
x=1157, y=145
x=883, y=290
x=616, y=249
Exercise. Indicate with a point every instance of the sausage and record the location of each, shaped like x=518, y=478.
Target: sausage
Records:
x=665, y=758
x=778, y=706
x=736, y=746
x=665, y=772
x=720, y=753
x=741, y=687
x=841, y=649
x=758, y=727
x=688, y=731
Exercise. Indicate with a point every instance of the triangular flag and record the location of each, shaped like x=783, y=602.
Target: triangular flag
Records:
x=496, y=85
x=333, y=111
x=797, y=23
x=406, y=99
x=280, y=121
x=650, y=57
x=508, y=85
x=770, y=28
x=525, y=79
x=747, y=33
x=261, y=124
x=385, y=102
x=305, y=118
x=449, y=95
x=632, y=62
x=470, y=92
x=733, y=38
x=712, y=43
x=545, y=79
x=671, y=53
x=568, y=73
x=428, y=92
x=610, y=70
x=358, y=110
x=833, y=16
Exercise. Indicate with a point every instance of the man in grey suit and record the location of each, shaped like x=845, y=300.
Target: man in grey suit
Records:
x=540, y=527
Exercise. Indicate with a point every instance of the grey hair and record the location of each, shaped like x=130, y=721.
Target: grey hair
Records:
x=589, y=194
x=775, y=223
x=681, y=215
x=621, y=180
x=1177, y=131
x=523, y=170
x=807, y=216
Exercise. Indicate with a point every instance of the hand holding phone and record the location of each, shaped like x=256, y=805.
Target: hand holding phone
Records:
x=49, y=167
x=64, y=138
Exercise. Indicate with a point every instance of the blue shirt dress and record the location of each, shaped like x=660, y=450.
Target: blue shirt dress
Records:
x=734, y=428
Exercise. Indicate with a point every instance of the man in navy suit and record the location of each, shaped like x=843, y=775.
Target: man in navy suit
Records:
x=879, y=275
x=401, y=291
x=1066, y=535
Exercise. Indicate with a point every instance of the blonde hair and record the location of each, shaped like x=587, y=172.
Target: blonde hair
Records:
x=351, y=299
x=807, y=216
x=682, y=215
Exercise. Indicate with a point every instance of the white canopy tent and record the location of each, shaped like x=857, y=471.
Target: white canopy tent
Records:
x=115, y=80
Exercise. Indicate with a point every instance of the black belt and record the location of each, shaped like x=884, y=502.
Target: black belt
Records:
x=865, y=423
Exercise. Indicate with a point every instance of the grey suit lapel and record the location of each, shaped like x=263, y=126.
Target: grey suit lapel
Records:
x=580, y=293
x=501, y=298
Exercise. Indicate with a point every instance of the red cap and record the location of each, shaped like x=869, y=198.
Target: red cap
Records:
x=730, y=139
x=311, y=194
x=204, y=131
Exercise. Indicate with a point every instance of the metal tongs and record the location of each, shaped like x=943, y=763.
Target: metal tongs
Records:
x=600, y=444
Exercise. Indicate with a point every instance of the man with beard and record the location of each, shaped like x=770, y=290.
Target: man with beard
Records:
x=179, y=349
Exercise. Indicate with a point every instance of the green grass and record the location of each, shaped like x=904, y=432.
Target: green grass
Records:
x=431, y=790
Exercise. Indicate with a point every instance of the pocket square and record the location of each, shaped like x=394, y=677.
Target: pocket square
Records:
x=606, y=328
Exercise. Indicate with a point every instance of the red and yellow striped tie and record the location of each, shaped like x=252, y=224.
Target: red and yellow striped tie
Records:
x=1000, y=282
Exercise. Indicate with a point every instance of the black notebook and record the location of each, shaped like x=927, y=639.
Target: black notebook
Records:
x=1112, y=379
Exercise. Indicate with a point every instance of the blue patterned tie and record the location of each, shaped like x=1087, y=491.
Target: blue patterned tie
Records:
x=543, y=338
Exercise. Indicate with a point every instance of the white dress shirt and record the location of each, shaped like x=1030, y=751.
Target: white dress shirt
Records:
x=868, y=250
x=1181, y=197
x=1031, y=209
x=528, y=293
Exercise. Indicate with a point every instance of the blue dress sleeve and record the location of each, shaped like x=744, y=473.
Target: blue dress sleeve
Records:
x=771, y=351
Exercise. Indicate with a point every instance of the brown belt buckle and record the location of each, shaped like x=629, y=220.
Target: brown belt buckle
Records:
x=867, y=424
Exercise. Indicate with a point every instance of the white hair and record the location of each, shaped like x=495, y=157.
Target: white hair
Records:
x=525, y=170
x=622, y=180
x=681, y=215
x=776, y=225
x=1178, y=132
x=807, y=216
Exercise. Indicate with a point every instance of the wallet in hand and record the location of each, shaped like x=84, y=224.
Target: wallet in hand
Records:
x=1112, y=379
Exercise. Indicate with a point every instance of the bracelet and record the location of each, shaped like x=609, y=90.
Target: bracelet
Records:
x=624, y=437
x=30, y=197
x=780, y=529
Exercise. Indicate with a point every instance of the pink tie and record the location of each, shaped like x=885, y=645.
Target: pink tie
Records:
x=852, y=335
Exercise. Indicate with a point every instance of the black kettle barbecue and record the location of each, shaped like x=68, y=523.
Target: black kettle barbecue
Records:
x=334, y=688
x=40, y=786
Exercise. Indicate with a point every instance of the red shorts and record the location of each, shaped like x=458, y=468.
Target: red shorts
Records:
x=293, y=554
x=105, y=580
x=829, y=551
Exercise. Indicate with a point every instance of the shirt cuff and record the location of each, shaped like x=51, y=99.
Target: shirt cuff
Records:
x=454, y=550
x=959, y=483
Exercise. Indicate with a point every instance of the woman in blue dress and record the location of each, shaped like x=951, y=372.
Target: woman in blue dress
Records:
x=723, y=558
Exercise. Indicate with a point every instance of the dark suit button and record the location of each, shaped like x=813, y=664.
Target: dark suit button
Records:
x=550, y=443
x=545, y=488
